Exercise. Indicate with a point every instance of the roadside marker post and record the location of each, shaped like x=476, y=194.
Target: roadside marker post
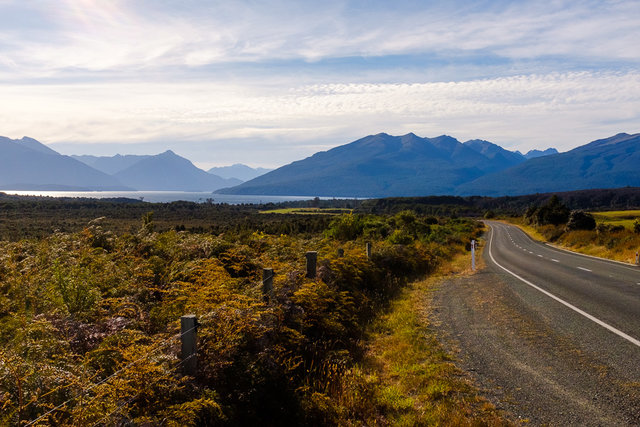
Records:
x=188, y=329
x=312, y=259
x=473, y=255
x=637, y=257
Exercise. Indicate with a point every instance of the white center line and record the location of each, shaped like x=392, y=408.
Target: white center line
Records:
x=594, y=319
x=540, y=256
x=554, y=260
x=584, y=269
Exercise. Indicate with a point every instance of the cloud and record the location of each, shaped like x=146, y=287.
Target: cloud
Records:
x=120, y=36
x=572, y=108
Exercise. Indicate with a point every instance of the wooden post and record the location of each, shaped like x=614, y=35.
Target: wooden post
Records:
x=312, y=259
x=340, y=253
x=188, y=328
x=637, y=257
x=368, y=246
x=267, y=282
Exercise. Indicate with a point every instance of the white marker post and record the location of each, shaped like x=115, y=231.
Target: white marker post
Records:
x=473, y=255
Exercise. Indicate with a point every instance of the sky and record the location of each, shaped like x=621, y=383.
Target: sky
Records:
x=269, y=82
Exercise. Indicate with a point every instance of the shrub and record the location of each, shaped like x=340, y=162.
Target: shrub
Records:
x=489, y=214
x=579, y=220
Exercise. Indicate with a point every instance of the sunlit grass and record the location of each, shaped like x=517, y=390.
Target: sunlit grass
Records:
x=309, y=211
x=620, y=218
x=415, y=380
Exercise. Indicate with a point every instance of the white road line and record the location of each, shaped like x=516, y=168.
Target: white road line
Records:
x=540, y=256
x=584, y=269
x=554, y=260
x=621, y=334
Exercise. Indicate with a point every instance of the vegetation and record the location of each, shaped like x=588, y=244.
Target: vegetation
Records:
x=612, y=235
x=89, y=331
x=308, y=211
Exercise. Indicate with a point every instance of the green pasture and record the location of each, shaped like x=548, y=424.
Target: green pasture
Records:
x=624, y=218
x=309, y=211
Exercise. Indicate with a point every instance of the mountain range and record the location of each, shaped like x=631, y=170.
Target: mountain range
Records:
x=383, y=165
x=379, y=165
x=26, y=164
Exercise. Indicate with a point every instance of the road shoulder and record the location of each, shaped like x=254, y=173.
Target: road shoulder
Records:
x=519, y=362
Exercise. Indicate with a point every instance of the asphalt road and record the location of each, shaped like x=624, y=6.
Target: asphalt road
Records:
x=596, y=300
x=552, y=337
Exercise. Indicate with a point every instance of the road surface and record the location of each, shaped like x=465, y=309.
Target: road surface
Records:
x=553, y=336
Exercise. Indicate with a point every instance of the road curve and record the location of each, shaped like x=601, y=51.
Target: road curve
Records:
x=599, y=298
x=549, y=335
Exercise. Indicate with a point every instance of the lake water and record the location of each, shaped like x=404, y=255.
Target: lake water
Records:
x=165, y=196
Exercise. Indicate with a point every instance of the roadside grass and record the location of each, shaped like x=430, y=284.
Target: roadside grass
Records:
x=412, y=380
x=309, y=211
x=620, y=245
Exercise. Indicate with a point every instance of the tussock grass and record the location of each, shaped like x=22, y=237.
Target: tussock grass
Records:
x=411, y=379
x=618, y=245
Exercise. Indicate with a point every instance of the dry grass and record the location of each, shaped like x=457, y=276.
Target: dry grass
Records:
x=412, y=379
x=616, y=245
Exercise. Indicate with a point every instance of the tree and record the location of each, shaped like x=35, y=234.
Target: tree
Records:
x=580, y=220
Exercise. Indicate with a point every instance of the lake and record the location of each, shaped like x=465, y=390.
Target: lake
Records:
x=166, y=196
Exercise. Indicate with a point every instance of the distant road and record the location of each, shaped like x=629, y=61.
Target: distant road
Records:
x=550, y=336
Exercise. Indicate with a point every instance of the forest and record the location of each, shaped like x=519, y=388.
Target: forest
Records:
x=90, y=310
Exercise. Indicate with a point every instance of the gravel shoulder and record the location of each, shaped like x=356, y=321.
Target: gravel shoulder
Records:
x=521, y=363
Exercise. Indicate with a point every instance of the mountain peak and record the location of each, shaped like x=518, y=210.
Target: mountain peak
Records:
x=35, y=145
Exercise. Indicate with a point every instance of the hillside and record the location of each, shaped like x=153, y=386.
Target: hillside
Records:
x=110, y=164
x=606, y=163
x=382, y=165
x=238, y=171
x=170, y=172
x=26, y=164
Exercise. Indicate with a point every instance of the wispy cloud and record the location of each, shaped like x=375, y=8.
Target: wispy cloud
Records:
x=96, y=35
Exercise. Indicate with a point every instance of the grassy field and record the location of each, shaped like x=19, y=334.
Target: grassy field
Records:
x=623, y=218
x=309, y=211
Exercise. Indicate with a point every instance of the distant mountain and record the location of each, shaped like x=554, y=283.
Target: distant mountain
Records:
x=35, y=145
x=382, y=165
x=238, y=171
x=606, y=163
x=26, y=164
x=110, y=164
x=532, y=154
x=170, y=172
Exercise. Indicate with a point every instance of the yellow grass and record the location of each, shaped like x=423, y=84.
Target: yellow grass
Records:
x=618, y=246
x=413, y=379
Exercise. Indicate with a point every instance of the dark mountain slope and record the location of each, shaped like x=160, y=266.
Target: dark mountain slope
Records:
x=605, y=163
x=502, y=158
x=377, y=166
